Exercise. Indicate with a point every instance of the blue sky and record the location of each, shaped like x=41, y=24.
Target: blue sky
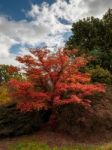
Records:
x=39, y=23
x=15, y=8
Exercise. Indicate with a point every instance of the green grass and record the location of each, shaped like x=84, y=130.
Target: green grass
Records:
x=42, y=146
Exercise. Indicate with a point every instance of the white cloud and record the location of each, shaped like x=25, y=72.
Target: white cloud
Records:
x=97, y=7
x=50, y=16
x=46, y=25
x=22, y=31
x=9, y=60
x=5, y=44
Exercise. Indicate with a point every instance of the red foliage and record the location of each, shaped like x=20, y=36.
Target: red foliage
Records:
x=53, y=79
x=12, y=69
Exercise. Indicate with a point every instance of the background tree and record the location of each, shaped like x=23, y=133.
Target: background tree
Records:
x=54, y=79
x=93, y=36
x=7, y=72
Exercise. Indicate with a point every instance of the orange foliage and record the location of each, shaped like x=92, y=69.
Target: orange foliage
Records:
x=53, y=79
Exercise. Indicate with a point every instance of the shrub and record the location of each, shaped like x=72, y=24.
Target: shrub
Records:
x=4, y=95
x=100, y=75
x=73, y=119
x=78, y=122
x=14, y=123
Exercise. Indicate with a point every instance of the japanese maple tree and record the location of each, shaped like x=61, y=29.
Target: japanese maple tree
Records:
x=53, y=79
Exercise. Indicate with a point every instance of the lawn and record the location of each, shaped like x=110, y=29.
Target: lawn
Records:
x=29, y=145
x=53, y=141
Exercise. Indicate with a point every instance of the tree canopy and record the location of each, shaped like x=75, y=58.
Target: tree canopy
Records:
x=7, y=72
x=54, y=79
x=93, y=36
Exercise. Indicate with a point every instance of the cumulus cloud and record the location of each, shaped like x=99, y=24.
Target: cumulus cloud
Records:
x=48, y=24
x=58, y=18
x=22, y=31
x=97, y=7
x=6, y=43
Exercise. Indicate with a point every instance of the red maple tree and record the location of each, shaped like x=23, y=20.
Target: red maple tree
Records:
x=53, y=79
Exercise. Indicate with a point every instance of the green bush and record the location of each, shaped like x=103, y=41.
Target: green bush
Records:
x=100, y=75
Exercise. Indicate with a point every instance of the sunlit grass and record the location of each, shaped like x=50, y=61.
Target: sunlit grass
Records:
x=42, y=146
